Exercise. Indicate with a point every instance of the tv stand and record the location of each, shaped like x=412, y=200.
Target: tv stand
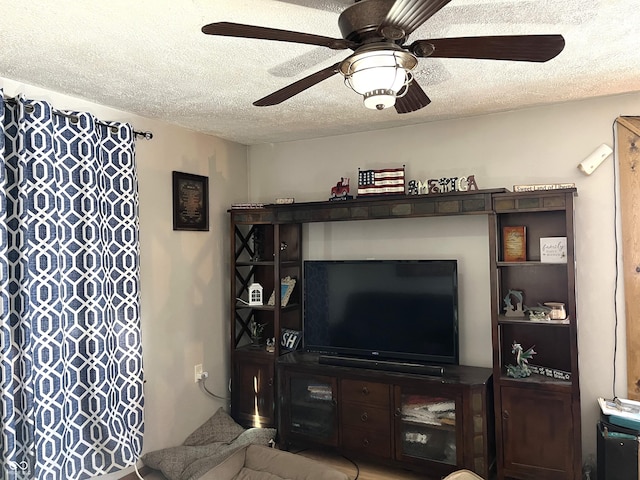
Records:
x=386, y=365
x=429, y=423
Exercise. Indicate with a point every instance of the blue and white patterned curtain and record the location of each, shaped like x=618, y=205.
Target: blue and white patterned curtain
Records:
x=71, y=396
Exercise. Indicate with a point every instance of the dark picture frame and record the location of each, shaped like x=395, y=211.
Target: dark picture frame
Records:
x=190, y=202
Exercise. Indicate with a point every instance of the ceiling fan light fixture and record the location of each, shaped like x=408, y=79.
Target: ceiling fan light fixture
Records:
x=379, y=72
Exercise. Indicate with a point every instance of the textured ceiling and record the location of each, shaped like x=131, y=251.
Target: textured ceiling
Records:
x=150, y=58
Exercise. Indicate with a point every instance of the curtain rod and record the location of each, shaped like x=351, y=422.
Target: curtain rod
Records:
x=146, y=135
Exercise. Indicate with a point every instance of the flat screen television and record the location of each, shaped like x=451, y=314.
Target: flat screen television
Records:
x=398, y=310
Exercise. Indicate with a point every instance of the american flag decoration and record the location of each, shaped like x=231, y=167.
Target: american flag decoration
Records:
x=381, y=182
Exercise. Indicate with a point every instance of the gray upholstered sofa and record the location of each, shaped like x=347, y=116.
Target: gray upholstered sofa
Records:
x=221, y=449
x=257, y=462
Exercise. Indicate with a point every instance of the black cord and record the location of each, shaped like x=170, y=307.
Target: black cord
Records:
x=355, y=465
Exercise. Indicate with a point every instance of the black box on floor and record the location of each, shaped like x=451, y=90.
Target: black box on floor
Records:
x=617, y=451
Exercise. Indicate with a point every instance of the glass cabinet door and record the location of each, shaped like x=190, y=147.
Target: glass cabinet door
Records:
x=313, y=407
x=427, y=426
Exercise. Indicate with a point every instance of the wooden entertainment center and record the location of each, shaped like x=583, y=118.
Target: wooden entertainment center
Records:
x=437, y=424
x=535, y=419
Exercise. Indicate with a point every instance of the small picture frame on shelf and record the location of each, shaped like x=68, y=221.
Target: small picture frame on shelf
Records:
x=553, y=250
x=290, y=339
x=286, y=288
x=514, y=243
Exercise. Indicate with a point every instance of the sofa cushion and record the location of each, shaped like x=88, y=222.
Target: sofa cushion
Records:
x=219, y=428
x=248, y=474
x=252, y=436
x=462, y=475
x=262, y=463
x=227, y=469
x=206, y=447
x=173, y=461
x=289, y=465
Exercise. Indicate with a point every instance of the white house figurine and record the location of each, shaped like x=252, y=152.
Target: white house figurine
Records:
x=255, y=294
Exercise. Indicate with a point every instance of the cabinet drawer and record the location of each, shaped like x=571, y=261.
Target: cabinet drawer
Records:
x=366, y=416
x=366, y=441
x=361, y=391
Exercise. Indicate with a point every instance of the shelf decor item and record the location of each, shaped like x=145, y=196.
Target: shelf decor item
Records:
x=511, y=310
x=190, y=202
x=550, y=372
x=290, y=339
x=521, y=368
x=388, y=181
x=286, y=288
x=514, y=244
x=538, y=314
x=271, y=345
x=258, y=238
x=340, y=191
x=557, y=311
x=543, y=187
x=256, y=330
x=255, y=294
x=553, y=250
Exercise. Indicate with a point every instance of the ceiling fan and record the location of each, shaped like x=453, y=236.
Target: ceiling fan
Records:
x=380, y=67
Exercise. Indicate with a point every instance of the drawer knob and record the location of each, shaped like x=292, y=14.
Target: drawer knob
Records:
x=505, y=414
x=365, y=442
x=364, y=417
x=365, y=391
x=398, y=412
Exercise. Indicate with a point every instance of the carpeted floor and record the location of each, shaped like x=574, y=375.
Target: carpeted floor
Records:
x=360, y=470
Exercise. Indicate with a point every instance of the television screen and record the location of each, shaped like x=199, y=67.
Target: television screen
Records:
x=404, y=310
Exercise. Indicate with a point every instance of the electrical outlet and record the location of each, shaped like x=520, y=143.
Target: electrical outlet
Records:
x=197, y=370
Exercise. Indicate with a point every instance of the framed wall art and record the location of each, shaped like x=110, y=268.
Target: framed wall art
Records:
x=190, y=202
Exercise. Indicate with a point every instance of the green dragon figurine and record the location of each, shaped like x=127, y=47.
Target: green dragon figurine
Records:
x=521, y=369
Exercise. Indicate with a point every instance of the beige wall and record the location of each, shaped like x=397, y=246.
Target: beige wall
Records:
x=184, y=275
x=537, y=145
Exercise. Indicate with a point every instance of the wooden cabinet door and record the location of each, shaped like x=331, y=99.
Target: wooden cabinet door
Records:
x=252, y=392
x=429, y=427
x=308, y=405
x=537, y=433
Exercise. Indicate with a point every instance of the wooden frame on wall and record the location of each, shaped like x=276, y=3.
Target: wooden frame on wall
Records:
x=190, y=202
x=627, y=135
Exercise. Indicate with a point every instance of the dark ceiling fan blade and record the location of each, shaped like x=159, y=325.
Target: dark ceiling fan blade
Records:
x=229, y=29
x=522, y=48
x=407, y=15
x=413, y=100
x=297, y=87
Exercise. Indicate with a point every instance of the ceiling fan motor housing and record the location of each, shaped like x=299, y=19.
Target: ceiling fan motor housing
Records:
x=360, y=22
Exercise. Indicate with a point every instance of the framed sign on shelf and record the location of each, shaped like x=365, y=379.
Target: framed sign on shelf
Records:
x=190, y=202
x=514, y=244
x=286, y=288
